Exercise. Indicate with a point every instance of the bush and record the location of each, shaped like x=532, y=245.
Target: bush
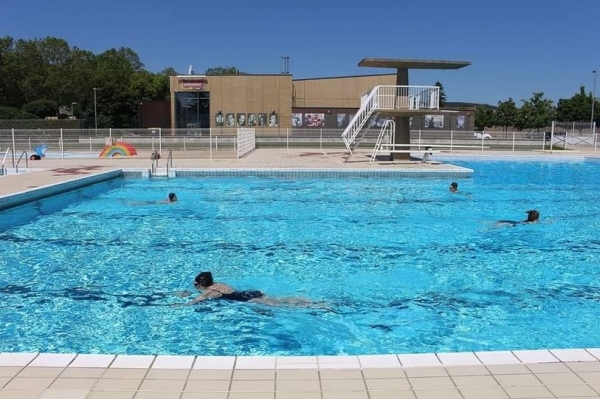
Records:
x=15, y=113
x=41, y=124
x=41, y=108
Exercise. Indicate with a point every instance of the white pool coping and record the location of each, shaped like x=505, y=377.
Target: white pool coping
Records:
x=516, y=357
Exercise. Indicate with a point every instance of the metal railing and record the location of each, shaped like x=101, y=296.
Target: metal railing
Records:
x=407, y=97
x=169, y=162
x=221, y=142
x=390, y=98
x=386, y=134
x=19, y=161
x=360, y=119
x=3, y=168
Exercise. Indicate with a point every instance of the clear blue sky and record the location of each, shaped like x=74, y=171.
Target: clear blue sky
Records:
x=516, y=47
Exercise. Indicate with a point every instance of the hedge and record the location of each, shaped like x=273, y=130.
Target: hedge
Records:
x=41, y=124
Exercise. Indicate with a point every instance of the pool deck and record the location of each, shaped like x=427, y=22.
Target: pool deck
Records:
x=562, y=373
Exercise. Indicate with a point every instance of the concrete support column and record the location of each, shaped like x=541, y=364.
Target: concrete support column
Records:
x=402, y=133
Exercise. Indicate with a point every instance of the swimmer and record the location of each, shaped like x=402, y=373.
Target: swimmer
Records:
x=453, y=187
x=172, y=197
x=212, y=290
x=532, y=217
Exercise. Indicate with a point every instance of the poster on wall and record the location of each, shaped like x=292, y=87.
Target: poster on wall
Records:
x=342, y=120
x=262, y=119
x=219, y=119
x=241, y=119
x=434, y=121
x=229, y=120
x=297, y=120
x=460, y=122
x=314, y=120
x=252, y=120
x=273, y=120
x=378, y=122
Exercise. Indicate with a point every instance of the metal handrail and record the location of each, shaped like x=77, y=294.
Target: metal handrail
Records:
x=2, y=169
x=169, y=161
x=154, y=166
x=387, y=125
x=19, y=160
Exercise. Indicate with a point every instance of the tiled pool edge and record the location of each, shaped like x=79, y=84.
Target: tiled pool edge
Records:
x=35, y=194
x=518, y=357
x=453, y=172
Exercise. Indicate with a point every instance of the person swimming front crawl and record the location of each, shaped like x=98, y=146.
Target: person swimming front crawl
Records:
x=532, y=217
x=211, y=290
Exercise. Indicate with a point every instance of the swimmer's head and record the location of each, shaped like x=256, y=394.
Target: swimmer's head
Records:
x=172, y=197
x=532, y=216
x=204, y=279
x=453, y=187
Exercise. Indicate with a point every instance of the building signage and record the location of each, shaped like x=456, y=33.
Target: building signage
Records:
x=194, y=84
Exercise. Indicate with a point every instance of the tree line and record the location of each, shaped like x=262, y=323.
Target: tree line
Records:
x=48, y=77
x=536, y=113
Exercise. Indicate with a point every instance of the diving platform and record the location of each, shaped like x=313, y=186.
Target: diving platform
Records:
x=400, y=101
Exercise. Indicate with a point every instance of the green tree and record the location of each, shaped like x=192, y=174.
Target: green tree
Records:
x=41, y=108
x=15, y=113
x=506, y=114
x=575, y=109
x=537, y=112
x=223, y=71
x=484, y=117
x=442, y=94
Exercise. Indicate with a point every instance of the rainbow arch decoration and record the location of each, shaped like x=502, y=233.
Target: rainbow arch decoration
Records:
x=119, y=149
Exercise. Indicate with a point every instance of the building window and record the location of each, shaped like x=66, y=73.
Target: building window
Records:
x=192, y=110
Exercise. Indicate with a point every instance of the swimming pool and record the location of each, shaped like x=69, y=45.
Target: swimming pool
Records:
x=403, y=265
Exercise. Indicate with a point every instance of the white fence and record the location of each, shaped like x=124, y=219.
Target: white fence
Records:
x=222, y=142
x=246, y=141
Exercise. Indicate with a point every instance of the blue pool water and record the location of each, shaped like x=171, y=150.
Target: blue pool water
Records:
x=401, y=265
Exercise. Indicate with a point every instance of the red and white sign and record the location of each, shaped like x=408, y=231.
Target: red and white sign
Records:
x=193, y=84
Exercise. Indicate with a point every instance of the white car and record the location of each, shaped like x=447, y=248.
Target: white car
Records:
x=482, y=135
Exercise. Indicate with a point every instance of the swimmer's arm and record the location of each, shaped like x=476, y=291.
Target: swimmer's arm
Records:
x=203, y=297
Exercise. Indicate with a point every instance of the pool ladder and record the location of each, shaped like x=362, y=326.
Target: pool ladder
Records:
x=155, y=171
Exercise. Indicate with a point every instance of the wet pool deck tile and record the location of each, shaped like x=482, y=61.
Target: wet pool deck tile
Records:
x=556, y=373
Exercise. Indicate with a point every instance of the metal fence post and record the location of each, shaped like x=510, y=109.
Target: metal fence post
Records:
x=13, y=147
x=513, y=146
x=287, y=138
x=62, y=146
x=160, y=140
x=595, y=136
x=30, y=144
x=210, y=142
x=110, y=134
x=321, y=139
x=451, y=138
x=91, y=149
x=482, y=139
x=551, y=138
x=419, y=139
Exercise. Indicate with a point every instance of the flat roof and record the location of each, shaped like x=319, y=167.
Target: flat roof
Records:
x=347, y=76
x=411, y=64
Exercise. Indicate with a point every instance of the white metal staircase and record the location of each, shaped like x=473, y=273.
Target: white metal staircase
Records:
x=389, y=98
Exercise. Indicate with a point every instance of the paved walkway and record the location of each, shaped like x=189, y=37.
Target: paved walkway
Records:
x=519, y=374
